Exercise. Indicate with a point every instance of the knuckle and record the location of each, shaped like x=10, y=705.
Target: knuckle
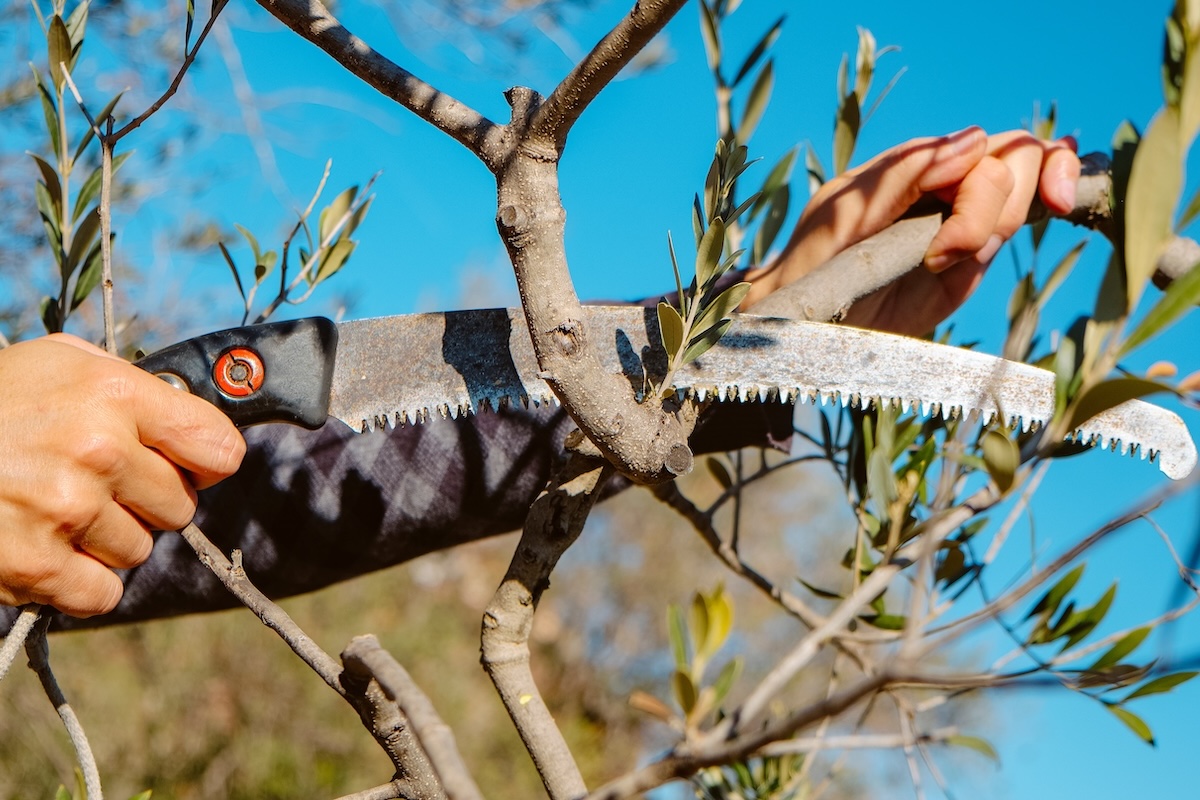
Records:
x=997, y=174
x=178, y=517
x=136, y=551
x=73, y=509
x=229, y=452
x=102, y=452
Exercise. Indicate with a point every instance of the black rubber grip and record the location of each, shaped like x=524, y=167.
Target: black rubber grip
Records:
x=276, y=372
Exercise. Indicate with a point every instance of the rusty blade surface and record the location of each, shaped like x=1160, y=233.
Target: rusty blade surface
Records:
x=404, y=370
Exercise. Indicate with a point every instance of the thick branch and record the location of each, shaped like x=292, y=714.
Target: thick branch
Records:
x=647, y=442
x=554, y=119
x=312, y=20
x=554, y=522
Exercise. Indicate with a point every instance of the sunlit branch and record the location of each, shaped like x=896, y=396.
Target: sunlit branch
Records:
x=554, y=118
x=313, y=21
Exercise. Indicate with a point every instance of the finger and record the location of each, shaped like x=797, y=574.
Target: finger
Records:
x=56, y=575
x=1023, y=154
x=868, y=198
x=156, y=491
x=189, y=431
x=897, y=178
x=971, y=226
x=1060, y=175
x=83, y=588
x=117, y=539
x=140, y=478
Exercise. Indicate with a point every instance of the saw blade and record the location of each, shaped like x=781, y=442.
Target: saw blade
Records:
x=387, y=374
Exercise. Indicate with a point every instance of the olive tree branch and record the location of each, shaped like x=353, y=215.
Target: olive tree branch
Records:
x=647, y=442
x=554, y=118
x=188, y=60
x=554, y=522
x=380, y=716
x=313, y=21
x=38, y=650
x=1011, y=597
x=364, y=656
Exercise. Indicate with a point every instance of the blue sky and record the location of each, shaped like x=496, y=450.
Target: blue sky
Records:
x=632, y=164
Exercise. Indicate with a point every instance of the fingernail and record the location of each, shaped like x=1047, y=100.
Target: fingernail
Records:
x=939, y=262
x=964, y=140
x=1065, y=189
x=990, y=249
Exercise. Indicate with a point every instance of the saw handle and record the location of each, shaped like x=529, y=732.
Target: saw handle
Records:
x=275, y=372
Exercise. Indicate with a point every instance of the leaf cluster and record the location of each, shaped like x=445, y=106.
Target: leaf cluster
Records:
x=766, y=778
x=324, y=252
x=72, y=224
x=696, y=636
x=1057, y=618
x=702, y=312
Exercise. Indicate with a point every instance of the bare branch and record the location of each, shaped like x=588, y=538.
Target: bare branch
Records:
x=553, y=120
x=188, y=60
x=106, y=281
x=312, y=20
x=366, y=658
x=392, y=790
x=16, y=636
x=862, y=741
x=745, y=715
x=701, y=521
x=554, y=522
x=1017, y=593
x=236, y=581
x=379, y=715
x=685, y=761
x=38, y=650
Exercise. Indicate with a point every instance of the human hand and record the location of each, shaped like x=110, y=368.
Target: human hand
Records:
x=989, y=182
x=96, y=453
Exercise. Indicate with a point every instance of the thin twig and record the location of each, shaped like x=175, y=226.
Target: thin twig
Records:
x=746, y=715
x=861, y=741
x=248, y=105
x=272, y=615
x=188, y=60
x=392, y=790
x=106, y=282
x=686, y=760
x=385, y=722
x=1010, y=598
x=38, y=650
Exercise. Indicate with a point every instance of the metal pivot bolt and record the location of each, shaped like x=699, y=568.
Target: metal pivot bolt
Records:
x=239, y=372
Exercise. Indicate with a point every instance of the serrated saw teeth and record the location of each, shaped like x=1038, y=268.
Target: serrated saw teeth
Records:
x=465, y=362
